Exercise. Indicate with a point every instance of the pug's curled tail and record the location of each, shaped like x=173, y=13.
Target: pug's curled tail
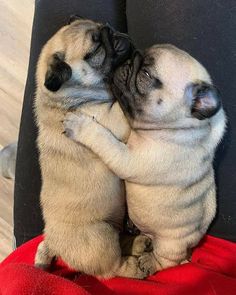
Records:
x=8, y=160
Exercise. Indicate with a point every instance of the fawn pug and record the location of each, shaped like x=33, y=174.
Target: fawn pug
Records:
x=176, y=120
x=83, y=202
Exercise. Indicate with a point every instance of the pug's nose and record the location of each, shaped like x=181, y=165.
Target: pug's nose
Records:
x=123, y=47
x=122, y=43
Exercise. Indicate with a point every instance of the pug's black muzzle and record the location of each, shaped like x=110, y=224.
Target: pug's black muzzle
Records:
x=125, y=76
x=118, y=46
x=124, y=86
x=123, y=47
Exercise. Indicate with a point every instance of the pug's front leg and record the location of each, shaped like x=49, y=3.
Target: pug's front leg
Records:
x=114, y=153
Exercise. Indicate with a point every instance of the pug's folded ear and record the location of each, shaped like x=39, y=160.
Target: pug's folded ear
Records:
x=204, y=99
x=58, y=72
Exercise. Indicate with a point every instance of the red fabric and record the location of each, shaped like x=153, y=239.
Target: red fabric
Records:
x=211, y=272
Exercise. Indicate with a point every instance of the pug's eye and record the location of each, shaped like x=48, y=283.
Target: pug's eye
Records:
x=93, y=52
x=147, y=73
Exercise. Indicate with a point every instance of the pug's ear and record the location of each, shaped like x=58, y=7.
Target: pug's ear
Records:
x=204, y=99
x=58, y=72
x=73, y=18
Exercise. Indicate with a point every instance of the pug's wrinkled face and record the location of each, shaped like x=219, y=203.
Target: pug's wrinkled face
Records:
x=165, y=88
x=81, y=53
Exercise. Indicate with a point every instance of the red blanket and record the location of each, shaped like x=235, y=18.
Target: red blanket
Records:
x=212, y=271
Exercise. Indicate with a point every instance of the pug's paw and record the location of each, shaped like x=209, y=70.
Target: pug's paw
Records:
x=130, y=268
x=75, y=125
x=147, y=263
x=141, y=245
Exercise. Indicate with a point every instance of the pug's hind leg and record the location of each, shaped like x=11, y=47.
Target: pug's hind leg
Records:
x=166, y=253
x=141, y=245
x=148, y=263
x=130, y=268
x=43, y=257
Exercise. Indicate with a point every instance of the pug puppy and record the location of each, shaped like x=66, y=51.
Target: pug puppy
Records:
x=177, y=120
x=83, y=202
